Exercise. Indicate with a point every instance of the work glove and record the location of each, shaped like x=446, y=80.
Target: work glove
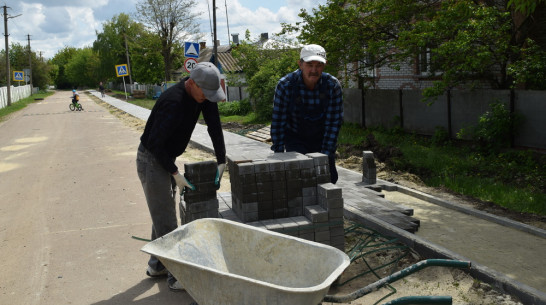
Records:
x=219, y=174
x=182, y=182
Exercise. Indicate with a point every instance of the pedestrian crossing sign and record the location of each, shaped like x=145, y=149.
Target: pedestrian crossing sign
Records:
x=121, y=70
x=18, y=76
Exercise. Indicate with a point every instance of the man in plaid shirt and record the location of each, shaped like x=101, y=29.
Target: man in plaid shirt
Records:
x=308, y=109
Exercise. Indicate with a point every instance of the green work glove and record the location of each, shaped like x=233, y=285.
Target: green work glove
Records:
x=219, y=173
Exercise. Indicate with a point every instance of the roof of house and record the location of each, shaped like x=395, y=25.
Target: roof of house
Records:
x=228, y=64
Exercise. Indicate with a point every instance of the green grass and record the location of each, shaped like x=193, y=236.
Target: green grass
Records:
x=145, y=102
x=513, y=179
x=4, y=112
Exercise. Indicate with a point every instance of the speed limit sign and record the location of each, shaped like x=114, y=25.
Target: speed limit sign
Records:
x=189, y=64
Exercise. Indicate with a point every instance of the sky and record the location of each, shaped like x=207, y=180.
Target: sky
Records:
x=56, y=24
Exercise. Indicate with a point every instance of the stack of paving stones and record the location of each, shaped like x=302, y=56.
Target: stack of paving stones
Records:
x=289, y=193
x=201, y=202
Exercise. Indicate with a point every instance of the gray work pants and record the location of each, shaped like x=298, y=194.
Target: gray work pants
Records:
x=158, y=189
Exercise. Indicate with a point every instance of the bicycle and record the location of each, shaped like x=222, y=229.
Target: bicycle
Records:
x=75, y=105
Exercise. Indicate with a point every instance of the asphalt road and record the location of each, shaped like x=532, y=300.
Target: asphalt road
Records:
x=70, y=200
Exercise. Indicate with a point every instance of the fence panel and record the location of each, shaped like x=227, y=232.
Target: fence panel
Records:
x=532, y=105
x=419, y=116
x=352, y=109
x=17, y=94
x=382, y=107
x=467, y=106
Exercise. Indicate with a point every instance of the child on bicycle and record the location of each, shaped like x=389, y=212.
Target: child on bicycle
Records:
x=75, y=97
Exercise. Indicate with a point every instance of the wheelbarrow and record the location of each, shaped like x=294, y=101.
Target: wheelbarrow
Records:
x=220, y=261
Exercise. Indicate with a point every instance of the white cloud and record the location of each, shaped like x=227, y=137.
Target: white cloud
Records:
x=54, y=24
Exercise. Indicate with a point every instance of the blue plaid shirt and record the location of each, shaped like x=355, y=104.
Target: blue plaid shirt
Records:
x=283, y=119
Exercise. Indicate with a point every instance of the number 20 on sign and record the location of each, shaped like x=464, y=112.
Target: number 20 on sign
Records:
x=189, y=64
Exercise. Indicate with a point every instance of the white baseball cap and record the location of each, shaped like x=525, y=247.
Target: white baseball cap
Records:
x=207, y=77
x=313, y=52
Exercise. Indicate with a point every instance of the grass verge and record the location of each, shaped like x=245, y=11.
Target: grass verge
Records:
x=513, y=179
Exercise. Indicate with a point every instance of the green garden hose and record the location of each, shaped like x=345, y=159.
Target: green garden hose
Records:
x=435, y=300
x=395, y=277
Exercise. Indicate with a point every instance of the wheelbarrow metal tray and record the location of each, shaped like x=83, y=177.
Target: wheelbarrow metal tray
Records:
x=219, y=261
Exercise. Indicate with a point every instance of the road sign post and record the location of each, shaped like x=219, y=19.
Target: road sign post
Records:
x=122, y=71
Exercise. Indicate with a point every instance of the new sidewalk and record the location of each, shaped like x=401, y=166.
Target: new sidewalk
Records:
x=361, y=202
x=359, y=196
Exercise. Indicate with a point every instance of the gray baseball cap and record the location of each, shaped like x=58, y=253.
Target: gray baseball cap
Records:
x=207, y=77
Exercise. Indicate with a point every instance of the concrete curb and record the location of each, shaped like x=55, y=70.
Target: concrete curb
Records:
x=528, y=295
x=470, y=211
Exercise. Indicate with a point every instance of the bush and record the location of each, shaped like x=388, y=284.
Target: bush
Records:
x=241, y=107
x=440, y=137
x=494, y=130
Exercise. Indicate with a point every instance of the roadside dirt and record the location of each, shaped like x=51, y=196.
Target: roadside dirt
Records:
x=434, y=281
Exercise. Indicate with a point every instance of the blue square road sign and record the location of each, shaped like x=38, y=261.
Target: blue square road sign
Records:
x=18, y=76
x=191, y=49
x=121, y=70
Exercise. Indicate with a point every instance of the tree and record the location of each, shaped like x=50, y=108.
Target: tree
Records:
x=110, y=43
x=263, y=69
x=41, y=73
x=146, y=61
x=19, y=60
x=526, y=7
x=174, y=21
x=59, y=63
x=83, y=68
x=461, y=42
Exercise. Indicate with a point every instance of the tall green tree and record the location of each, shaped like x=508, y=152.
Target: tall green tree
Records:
x=262, y=70
x=59, y=63
x=110, y=44
x=174, y=21
x=41, y=73
x=147, y=63
x=82, y=70
x=457, y=42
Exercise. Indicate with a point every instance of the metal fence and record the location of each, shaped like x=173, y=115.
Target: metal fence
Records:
x=453, y=111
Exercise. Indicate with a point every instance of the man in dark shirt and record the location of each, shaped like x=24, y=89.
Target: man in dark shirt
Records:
x=166, y=136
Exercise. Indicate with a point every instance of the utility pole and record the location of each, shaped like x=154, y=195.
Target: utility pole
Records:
x=227, y=22
x=29, y=61
x=128, y=63
x=8, y=72
x=215, y=47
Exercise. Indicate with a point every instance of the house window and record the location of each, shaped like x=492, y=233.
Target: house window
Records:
x=425, y=63
x=367, y=66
